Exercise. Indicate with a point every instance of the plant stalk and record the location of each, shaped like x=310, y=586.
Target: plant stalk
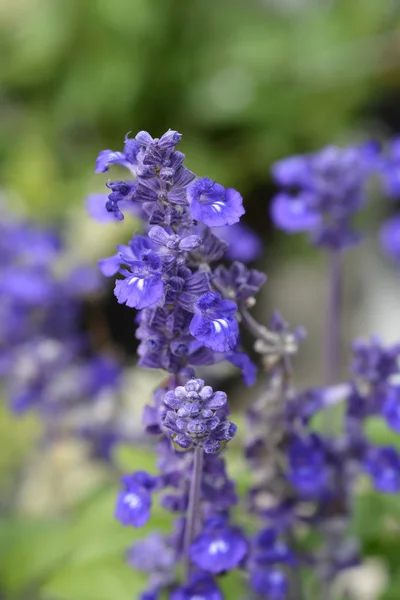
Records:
x=333, y=320
x=193, y=510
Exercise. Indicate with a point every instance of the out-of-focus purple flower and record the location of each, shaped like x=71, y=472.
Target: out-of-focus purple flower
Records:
x=270, y=583
x=157, y=556
x=245, y=364
x=390, y=238
x=244, y=244
x=213, y=205
x=219, y=547
x=383, y=466
x=84, y=280
x=294, y=215
x=307, y=465
x=201, y=587
x=373, y=362
x=390, y=169
x=391, y=408
x=330, y=189
x=134, y=502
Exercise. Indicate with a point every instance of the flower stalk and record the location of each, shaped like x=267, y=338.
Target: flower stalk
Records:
x=193, y=515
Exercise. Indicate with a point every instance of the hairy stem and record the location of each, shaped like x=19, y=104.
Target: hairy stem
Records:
x=193, y=510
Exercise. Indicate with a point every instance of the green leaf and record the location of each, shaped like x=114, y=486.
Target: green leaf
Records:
x=100, y=580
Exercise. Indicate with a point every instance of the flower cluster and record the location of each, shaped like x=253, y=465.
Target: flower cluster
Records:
x=46, y=362
x=188, y=316
x=168, y=273
x=196, y=417
x=329, y=188
x=191, y=310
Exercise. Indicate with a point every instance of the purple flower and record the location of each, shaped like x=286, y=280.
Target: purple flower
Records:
x=201, y=587
x=172, y=241
x=122, y=194
x=330, y=188
x=219, y=547
x=139, y=289
x=294, y=215
x=383, y=466
x=269, y=549
x=390, y=238
x=243, y=362
x=142, y=286
x=157, y=556
x=127, y=158
x=307, y=466
x=238, y=281
x=213, y=205
x=134, y=502
x=391, y=408
x=214, y=324
x=270, y=583
x=372, y=362
x=244, y=244
x=390, y=169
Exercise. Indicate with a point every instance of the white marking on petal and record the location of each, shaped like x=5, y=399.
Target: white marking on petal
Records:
x=132, y=500
x=217, y=206
x=218, y=546
x=220, y=324
x=138, y=281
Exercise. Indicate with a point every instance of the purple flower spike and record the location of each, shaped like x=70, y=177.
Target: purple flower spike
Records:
x=134, y=503
x=383, y=465
x=214, y=324
x=213, y=205
x=201, y=587
x=219, y=547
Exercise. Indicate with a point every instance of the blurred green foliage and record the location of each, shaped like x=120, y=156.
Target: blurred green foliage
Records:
x=245, y=83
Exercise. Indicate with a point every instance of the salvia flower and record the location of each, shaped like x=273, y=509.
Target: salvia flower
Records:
x=134, y=502
x=214, y=324
x=213, y=205
x=219, y=547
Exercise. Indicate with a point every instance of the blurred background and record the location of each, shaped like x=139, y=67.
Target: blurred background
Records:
x=247, y=82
